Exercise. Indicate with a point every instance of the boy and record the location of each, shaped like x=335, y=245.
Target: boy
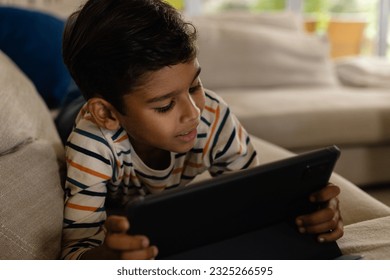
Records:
x=148, y=125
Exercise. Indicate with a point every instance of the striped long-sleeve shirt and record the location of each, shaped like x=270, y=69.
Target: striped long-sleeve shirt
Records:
x=102, y=163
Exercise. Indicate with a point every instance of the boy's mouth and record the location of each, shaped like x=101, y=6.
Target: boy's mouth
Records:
x=185, y=133
x=189, y=135
x=189, y=131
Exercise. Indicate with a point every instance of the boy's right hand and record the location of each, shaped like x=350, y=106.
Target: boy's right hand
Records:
x=118, y=245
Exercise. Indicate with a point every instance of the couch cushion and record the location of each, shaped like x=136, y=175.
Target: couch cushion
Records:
x=31, y=203
x=304, y=117
x=240, y=54
x=23, y=113
x=31, y=198
x=363, y=71
x=370, y=239
x=33, y=41
x=285, y=20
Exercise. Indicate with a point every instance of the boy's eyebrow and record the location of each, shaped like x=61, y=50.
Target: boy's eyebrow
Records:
x=169, y=95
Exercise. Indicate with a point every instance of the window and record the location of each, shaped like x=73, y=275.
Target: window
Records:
x=359, y=18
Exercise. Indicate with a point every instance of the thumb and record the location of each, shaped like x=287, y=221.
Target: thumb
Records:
x=117, y=224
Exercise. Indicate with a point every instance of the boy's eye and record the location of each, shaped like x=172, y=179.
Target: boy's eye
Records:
x=165, y=108
x=194, y=88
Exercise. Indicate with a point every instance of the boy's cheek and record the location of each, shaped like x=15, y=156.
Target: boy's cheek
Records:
x=200, y=102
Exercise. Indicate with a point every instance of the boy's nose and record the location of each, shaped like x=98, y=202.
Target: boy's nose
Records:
x=190, y=111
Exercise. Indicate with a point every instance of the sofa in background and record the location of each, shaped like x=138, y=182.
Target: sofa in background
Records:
x=281, y=83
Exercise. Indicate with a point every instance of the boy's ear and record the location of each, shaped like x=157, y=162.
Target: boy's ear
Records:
x=103, y=113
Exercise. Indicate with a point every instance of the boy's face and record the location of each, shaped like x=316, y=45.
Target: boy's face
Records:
x=164, y=113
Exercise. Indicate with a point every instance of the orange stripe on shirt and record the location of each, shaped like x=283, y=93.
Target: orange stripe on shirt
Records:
x=81, y=207
x=193, y=164
x=210, y=109
x=124, y=137
x=214, y=127
x=88, y=170
x=177, y=170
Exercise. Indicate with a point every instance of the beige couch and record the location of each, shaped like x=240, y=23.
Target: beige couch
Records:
x=31, y=197
x=282, y=85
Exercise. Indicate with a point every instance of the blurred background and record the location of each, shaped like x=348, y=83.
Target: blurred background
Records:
x=354, y=27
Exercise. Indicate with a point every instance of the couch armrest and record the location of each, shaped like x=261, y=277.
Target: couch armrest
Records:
x=356, y=205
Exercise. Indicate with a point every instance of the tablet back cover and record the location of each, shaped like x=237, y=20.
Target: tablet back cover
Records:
x=231, y=205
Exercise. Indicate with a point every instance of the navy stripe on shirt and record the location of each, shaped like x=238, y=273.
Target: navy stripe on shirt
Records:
x=89, y=153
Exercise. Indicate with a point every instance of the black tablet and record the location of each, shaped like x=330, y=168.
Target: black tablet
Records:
x=235, y=204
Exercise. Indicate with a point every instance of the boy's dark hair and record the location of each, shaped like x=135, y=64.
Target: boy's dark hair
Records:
x=109, y=45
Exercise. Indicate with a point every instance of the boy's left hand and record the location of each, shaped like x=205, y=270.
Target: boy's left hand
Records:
x=327, y=221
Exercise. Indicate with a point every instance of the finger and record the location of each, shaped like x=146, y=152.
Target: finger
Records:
x=326, y=226
x=145, y=254
x=325, y=194
x=322, y=220
x=117, y=224
x=318, y=217
x=333, y=235
x=126, y=242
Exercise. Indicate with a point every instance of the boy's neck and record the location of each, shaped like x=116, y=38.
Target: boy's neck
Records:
x=153, y=158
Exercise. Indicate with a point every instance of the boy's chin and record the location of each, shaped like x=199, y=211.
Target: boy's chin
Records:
x=183, y=149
